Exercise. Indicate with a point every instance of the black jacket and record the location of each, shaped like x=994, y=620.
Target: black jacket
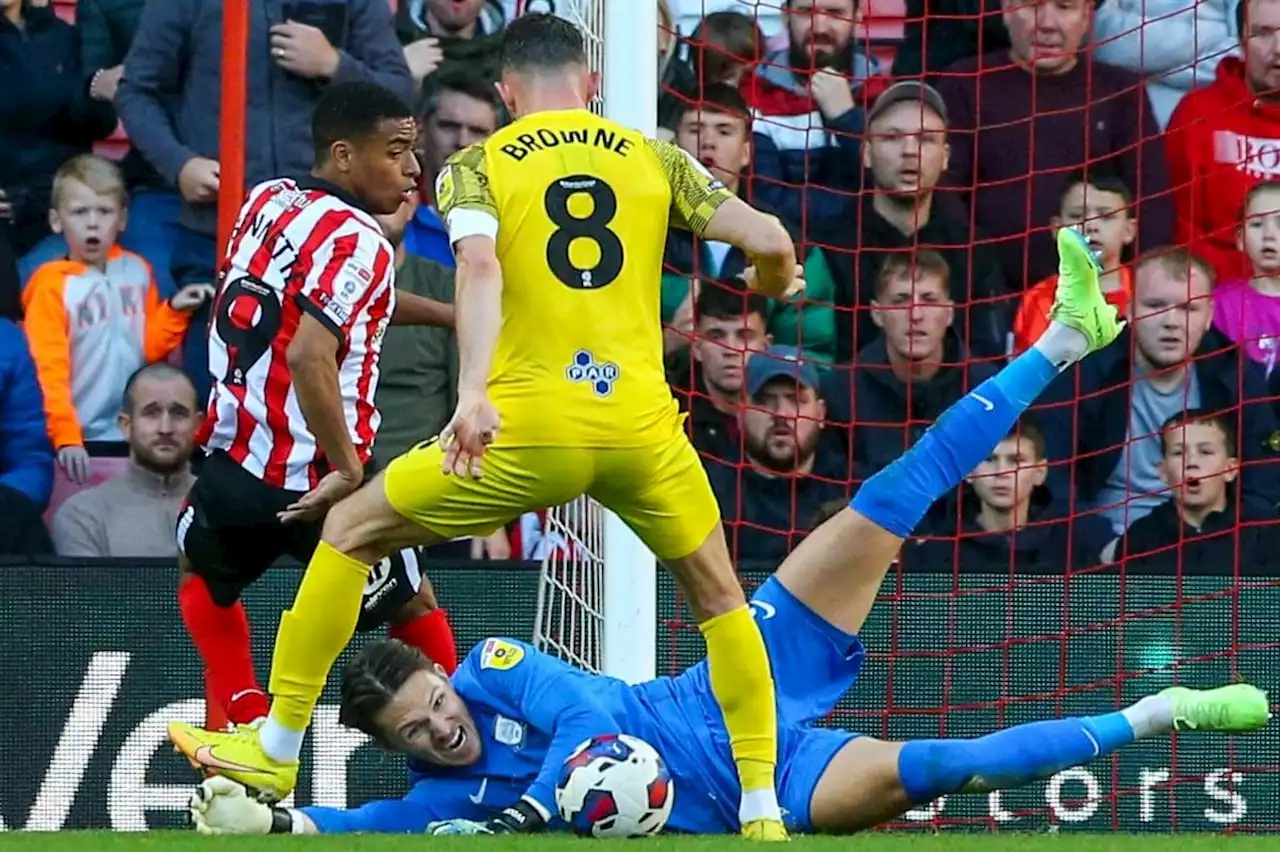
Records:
x=1161, y=543
x=857, y=250
x=685, y=254
x=677, y=82
x=766, y=516
x=46, y=116
x=891, y=415
x=941, y=32
x=107, y=28
x=1084, y=415
x=1050, y=543
x=713, y=433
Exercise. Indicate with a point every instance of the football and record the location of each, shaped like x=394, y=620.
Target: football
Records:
x=614, y=785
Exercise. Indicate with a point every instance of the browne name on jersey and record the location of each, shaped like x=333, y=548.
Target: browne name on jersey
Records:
x=542, y=139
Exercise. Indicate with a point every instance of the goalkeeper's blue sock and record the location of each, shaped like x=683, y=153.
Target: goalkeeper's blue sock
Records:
x=898, y=497
x=1006, y=759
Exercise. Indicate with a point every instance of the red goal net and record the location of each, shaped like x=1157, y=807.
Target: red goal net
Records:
x=1121, y=542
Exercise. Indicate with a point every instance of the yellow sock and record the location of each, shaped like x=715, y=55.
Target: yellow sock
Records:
x=743, y=686
x=314, y=633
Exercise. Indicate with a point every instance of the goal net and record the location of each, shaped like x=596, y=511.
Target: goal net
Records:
x=974, y=630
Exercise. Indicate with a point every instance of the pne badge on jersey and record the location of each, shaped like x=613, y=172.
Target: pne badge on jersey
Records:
x=500, y=654
x=508, y=731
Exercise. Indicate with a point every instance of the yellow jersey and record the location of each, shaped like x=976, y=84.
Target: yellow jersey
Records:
x=579, y=208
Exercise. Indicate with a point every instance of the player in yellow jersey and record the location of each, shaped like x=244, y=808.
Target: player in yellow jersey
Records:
x=558, y=223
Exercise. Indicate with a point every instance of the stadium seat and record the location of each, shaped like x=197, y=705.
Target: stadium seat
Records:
x=104, y=468
x=115, y=146
x=883, y=21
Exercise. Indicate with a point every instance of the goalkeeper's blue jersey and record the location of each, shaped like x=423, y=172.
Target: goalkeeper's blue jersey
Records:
x=532, y=711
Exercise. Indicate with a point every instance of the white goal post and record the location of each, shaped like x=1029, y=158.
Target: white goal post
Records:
x=597, y=594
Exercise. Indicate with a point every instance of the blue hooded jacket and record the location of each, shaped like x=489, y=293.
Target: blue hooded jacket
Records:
x=26, y=456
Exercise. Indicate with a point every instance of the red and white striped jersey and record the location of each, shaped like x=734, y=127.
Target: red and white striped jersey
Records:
x=299, y=245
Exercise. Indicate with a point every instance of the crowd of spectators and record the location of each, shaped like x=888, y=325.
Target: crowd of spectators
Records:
x=922, y=181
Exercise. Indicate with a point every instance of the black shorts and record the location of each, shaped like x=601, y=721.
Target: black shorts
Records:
x=392, y=583
x=229, y=531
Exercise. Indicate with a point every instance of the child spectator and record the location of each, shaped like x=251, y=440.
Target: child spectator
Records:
x=1012, y=525
x=96, y=317
x=1200, y=527
x=715, y=128
x=1248, y=310
x=1101, y=206
x=724, y=47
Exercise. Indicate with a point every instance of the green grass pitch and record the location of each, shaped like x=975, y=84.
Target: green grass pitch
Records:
x=99, y=841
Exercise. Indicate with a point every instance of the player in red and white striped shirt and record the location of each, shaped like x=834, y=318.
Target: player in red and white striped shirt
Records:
x=307, y=291
x=299, y=249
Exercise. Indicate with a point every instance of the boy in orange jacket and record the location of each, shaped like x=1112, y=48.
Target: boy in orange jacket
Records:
x=96, y=317
x=1102, y=206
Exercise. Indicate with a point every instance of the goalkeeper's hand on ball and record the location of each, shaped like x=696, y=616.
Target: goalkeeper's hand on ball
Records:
x=457, y=828
x=524, y=816
x=221, y=806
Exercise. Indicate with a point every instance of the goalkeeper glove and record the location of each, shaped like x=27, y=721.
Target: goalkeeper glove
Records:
x=221, y=806
x=524, y=816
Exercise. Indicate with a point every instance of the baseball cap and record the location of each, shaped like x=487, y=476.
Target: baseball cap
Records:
x=780, y=362
x=912, y=91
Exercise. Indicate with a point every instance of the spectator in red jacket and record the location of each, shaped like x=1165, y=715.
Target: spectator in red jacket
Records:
x=1225, y=138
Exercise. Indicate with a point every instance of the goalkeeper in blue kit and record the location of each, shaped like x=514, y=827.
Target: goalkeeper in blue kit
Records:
x=486, y=747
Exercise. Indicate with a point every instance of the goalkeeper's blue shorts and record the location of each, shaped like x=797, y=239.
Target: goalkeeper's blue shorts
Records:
x=814, y=664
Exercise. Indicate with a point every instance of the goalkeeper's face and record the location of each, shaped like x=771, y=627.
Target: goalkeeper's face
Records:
x=428, y=720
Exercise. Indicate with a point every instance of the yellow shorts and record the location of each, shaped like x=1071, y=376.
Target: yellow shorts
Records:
x=660, y=491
